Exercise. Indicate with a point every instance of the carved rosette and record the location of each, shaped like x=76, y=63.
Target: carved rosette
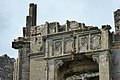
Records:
x=57, y=47
x=69, y=45
x=84, y=43
x=95, y=42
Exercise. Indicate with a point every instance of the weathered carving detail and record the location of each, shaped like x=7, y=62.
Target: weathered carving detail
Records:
x=69, y=45
x=58, y=63
x=84, y=43
x=95, y=42
x=57, y=47
x=52, y=27
x=74, y=77
x=74, y=25
x=85, y=76
x=96, y=58
x=36, y=44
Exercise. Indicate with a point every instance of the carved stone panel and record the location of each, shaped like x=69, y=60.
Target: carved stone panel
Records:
x=84, y=43
x=95, y=42
x=57, y=47
x=69, y=45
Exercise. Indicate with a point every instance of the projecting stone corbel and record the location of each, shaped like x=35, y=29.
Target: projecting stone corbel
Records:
x=95, y=58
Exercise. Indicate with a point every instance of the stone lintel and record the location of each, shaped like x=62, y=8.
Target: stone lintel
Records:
x=41, y=54
x=88, y=54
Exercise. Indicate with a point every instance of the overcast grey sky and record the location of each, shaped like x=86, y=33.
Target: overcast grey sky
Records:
x=13, y=14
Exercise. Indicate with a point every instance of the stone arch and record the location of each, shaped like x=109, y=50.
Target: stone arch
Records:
x=77, y=69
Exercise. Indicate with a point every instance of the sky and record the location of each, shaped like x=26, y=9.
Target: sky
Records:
x=13, y=16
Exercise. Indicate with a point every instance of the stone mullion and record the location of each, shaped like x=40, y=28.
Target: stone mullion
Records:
x=47, y=48
x=51, y=70
x=77, y=44
x=89, y=43
x=63, y=46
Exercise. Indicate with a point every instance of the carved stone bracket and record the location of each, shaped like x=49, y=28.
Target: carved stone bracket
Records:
x=95, y=58
x=58, y=63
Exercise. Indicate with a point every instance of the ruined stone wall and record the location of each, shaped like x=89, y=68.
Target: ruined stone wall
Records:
x=49, y=46
x=22, y=67
x=72, y=38
x=115, y=64
x=117, y=21
x=6, y=67
x=24, y=63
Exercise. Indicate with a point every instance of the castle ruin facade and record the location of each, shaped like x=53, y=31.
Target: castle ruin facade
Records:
x=72, y=51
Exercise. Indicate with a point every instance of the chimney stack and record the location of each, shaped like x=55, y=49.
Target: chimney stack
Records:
x=30, y=19
x=33, y=13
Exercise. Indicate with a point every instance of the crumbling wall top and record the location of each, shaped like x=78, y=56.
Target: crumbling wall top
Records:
x=55, y=27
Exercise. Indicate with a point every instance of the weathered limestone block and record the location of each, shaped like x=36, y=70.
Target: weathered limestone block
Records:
x=105, y=36
x=36, y=44
x=38, y=69
x=73, y=25
x=52, y=27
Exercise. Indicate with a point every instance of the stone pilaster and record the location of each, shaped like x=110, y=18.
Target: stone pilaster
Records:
x=63, y=46
x=105, y=36
x=33, y=13
x=24, y=63
x=23, y=46
x=51, y=70
x=104, y=65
